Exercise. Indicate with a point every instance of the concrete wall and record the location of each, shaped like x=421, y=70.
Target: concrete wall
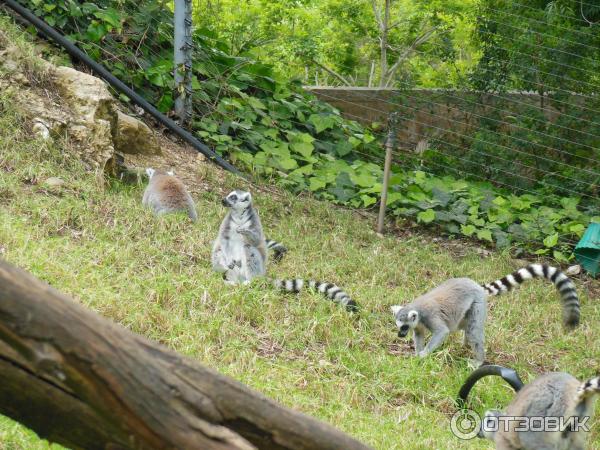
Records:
x=451, y=116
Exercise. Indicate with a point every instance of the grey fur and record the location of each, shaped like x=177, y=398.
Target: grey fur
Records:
x=555, y=394
x=240, y=251
x=461, y=304
x=457, y=304
x=166, y=194
x=330, y=290
x=278, y=249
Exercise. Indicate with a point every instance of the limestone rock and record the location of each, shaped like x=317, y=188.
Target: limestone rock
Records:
x=93, y=114
x=134, y=136
x=41, y=128
x=54, y=182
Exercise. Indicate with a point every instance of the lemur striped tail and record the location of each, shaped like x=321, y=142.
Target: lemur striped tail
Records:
x=565, y=287
x=330, y=290
x=277, y=248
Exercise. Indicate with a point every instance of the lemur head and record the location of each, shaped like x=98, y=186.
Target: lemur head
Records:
x=237, y=200
x=406, y=319
x=489, y=424
x=151, y=172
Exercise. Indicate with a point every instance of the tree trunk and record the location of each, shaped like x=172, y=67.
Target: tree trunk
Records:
x=84, y=382
x=384, y=28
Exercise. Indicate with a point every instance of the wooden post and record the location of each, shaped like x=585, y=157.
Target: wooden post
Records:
x=390, y=143
x=82, y=381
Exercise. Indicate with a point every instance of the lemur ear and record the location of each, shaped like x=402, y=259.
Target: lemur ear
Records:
x=170, y=172
x=412, y=315
x=395, y=309
x=150, y=172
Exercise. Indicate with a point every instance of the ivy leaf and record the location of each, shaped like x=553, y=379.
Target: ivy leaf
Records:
x=499, y=201
x=467, y=230
x=485, y=235
x=364, y=179
x=426, y=216
x=394, y=197
x=304, y=148
x=321, y=122
x=560, y=256
x=287, y=163
x=577, y=228
x=551, y=241
x=342, y=148
x=316, y=184
x=368, y=200
x=343, y=189
x=256, y=103
x=441, y=196
x=501, y=238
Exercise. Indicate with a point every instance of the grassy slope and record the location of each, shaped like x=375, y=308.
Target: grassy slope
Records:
x=153, y=276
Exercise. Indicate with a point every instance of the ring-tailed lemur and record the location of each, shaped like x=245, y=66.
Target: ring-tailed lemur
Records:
x=240, y=250
x=278, y=249
x=555, y=395
x=460, y=303
x=166, y=193
x=331, y=291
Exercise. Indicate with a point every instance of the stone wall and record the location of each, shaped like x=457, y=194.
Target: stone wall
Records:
x=450, y=116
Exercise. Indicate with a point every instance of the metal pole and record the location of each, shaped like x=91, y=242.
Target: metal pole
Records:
x=182, y=46
x=390, y=143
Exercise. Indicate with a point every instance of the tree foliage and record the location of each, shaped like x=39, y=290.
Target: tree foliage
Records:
x=247, y=110
x=341, y=42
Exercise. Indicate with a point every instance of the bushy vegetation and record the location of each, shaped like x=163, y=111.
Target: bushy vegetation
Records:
x=153, y=276
x=249, y=112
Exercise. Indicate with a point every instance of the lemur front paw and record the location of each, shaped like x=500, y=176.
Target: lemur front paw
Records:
x=242, y=230
x=235, y=264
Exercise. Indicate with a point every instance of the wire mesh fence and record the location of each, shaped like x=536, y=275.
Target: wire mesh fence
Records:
x=525, y=118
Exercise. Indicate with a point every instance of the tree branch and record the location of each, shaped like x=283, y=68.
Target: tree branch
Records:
x=332, y=73
x=87, y=383
x=377, y=14
x=389, y=76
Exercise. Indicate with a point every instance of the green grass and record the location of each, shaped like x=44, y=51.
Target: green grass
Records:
x=153, y=276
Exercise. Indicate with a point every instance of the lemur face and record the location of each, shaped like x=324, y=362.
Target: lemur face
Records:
x=406, y=319
x=238, y=200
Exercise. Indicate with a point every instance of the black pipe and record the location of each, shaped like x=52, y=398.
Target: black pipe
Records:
x=101, y=71
x=508, y=375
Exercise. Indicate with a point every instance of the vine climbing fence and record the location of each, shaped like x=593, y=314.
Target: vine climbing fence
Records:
x=509, y=155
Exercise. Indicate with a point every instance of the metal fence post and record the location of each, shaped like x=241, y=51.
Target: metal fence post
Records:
x=183, y=60
x=390, y=143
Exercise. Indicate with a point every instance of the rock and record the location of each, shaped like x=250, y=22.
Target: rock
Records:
x=134, y=136
x=573, y=270
x=54, y=182
x=93, y=114
x=41, y=128
x=77, y=106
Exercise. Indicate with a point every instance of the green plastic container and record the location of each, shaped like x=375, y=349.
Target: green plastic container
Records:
x=587, y=251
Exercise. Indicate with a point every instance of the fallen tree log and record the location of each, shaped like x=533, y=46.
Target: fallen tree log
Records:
x=82, y=381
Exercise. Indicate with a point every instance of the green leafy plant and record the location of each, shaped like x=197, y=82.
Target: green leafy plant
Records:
x=269, y=125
